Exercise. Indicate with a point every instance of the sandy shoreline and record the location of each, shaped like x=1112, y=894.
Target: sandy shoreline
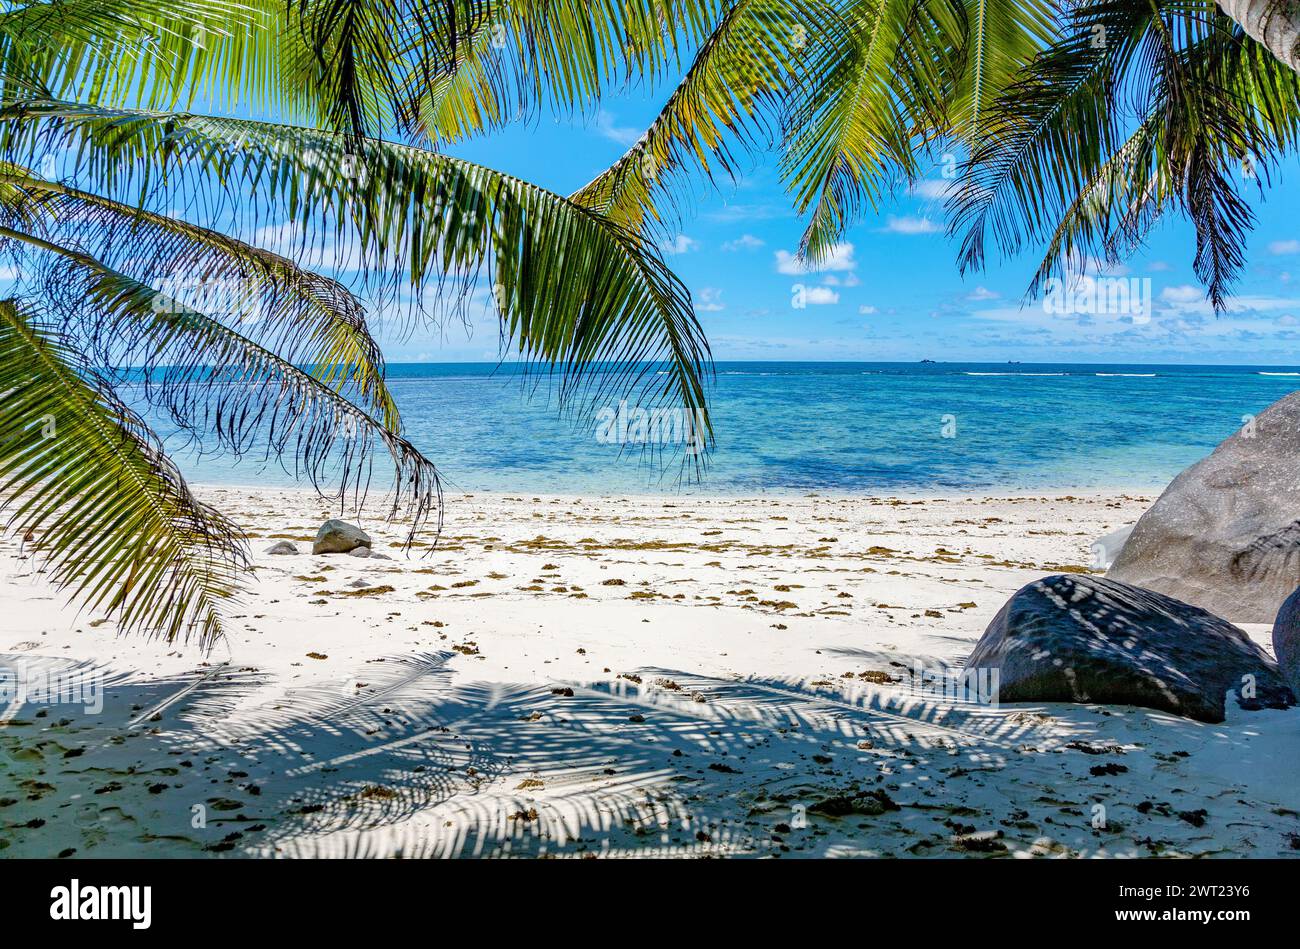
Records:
x=639, y=675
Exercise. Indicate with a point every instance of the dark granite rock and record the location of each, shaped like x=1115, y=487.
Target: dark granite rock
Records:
x=1078, y=638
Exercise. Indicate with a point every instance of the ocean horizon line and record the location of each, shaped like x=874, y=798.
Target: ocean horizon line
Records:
x=533, y=367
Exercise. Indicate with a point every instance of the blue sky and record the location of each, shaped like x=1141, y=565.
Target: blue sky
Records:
x=893, y=291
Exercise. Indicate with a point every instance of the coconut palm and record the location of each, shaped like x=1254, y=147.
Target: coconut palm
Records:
x=1079, y=125
x=852, y=94
x=1137, y=111
x=123, y=124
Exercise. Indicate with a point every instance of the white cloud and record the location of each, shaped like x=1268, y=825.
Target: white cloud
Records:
x=681, y=244
x=1183, y=293
x=1108, y=268
x=1280, y=248
x=744, y=242
x=623, y=135
x=820, y=296
x=982, y=293
x=866, y=310
x=709, y=300
x=911, y=225
x=838, y=259
x=747, y=212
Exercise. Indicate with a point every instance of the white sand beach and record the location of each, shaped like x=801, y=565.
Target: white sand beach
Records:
x=578, y=677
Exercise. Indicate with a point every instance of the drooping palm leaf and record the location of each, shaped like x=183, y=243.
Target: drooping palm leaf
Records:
x=211, y=378
x=158, y=54
x=309, y=320
x=899, y=79
x=578, y=294
x=111, y=517
x=881, y=82
x=1044, y=137
x=364, y=56
x=1001, y=38
x=564, y=54
x=1141, y=109
x=739, y=73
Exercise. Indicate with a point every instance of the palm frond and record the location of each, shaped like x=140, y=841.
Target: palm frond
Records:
x=362, y=55
x=1111, y=214
x=1043, y=139
x=1137, y=111
x=563, y=54
x=738, y=75
x=211, y=378
x=1001, y=39
x=85, y=477
x=874, y=85
x=578, y=294
x=308, y=319
x=160, y=54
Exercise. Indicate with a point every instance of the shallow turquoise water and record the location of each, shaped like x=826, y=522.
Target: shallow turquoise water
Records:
x=836, y=427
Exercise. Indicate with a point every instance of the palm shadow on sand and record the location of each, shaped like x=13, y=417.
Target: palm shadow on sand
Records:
x=402, y=757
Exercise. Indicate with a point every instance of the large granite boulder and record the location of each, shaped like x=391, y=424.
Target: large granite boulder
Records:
x=339, y=537
x=1078, y=638
x=1225, y=535
x=1286, y=640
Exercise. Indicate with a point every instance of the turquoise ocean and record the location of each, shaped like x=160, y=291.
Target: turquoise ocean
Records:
x=830, y=427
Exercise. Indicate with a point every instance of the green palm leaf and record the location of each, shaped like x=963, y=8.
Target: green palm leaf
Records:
x=361, y=56
x=1002, y=37
x=1042, y=141
x=578, y=294
x=308, y=319
x=855, y=131
x=211, y=378
x=109, y=513
x=737, y=75
x=161, y=54
x=563, y=53
x=1137, y=111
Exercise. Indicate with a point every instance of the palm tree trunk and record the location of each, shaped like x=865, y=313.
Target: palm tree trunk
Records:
x=1275, y=23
